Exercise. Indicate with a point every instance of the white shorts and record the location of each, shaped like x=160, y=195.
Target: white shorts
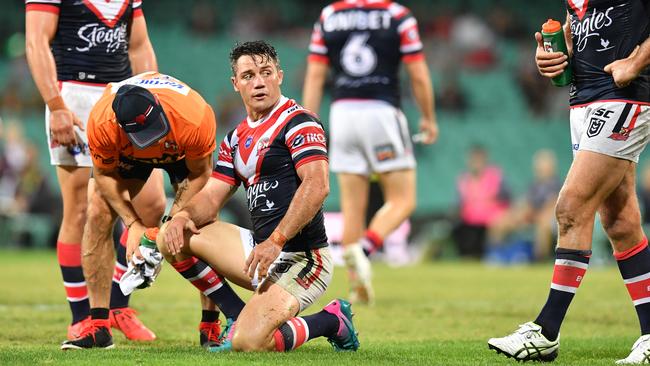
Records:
x=616, y=129
x=368, y=136
x=304, y=275
x=80, y=99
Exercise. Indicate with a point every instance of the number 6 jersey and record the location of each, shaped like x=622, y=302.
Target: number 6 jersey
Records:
x=365, y=41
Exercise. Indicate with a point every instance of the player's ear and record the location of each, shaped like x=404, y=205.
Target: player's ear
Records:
x=233, y=80
x=280, y=76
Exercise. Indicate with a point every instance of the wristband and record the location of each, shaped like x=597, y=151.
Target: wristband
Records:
x=56, y=103
x=166, y=218
x=132, y=222
x=278, y=238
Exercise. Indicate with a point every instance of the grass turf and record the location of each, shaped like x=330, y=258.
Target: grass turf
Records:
x=437, y=313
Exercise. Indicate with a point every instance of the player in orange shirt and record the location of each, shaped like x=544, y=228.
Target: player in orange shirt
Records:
x=148, y=121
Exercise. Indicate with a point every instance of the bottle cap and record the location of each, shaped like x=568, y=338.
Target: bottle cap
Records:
x=551, y=26
x=149, y=237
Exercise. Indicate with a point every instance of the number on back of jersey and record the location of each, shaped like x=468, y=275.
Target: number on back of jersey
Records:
x=357, y=57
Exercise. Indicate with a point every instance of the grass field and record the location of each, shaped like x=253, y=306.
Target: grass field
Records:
x=437, y=313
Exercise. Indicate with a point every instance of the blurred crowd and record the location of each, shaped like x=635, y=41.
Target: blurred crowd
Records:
x=459, y=44
x=29, y=205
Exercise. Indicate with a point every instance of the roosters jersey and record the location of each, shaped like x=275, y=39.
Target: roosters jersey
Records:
x=364, y=41
x=264, y=155
x=92, y=38
x=192, y=122
x=604, y=31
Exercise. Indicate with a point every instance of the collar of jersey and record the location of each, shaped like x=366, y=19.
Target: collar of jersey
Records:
x=253, y=124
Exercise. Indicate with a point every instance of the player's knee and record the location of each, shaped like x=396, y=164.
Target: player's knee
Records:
x=160, y=242
x=98, y=216
x=75, y=215
x=153, y=210
x=248, y=342
x=565, y=215
x=619, y=228
x=405, y=204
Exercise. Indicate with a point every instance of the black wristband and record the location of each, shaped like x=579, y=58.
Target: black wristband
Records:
x=166, y=218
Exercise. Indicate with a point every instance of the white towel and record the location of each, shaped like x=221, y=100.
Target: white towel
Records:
x=141, y=273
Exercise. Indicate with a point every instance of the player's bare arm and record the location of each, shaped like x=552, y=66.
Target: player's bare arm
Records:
x=626, y=70
x=141, y=52
x=201, y=209
x=199, y=173
x=312, y=90
x=116, y=193
x=309, y=198
x=418, y=72
x=40, y=30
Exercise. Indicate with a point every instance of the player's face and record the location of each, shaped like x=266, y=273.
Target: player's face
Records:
x=258, y=82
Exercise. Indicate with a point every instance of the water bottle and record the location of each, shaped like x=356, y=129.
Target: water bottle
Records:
x=148, y=246
x=148, y=239
x=553, y=40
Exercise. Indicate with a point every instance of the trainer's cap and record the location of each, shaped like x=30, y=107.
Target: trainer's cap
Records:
x=140, y=115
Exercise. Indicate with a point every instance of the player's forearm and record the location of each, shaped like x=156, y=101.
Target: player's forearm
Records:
x=642, y=58
x=312, y=91
x=187, y=189
x=423, y=93
x=309, y=198
x=143, y=58
x=42, y=66
x=111, y=188
x=204, y=206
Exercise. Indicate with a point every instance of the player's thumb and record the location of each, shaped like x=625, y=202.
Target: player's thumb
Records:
x=192, y=227
x=538, y=38
x=77, y=122
x=608, y=68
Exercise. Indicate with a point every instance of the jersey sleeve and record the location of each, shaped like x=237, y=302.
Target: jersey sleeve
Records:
x=317, y=46
x=224, y=168
x=410, y=45
x=103, y=142
x=137, y=8
x=305, y=139
x=51, y=6
x=202, y=141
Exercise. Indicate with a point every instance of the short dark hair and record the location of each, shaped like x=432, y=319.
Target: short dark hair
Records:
x=253, y=48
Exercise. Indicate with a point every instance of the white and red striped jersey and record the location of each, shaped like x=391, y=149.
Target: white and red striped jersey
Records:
x=364, y=41
x=92, y=38
x=264, y=155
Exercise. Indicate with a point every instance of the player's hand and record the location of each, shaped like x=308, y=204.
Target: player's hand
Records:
x=175, y=233
x=62, y=122
x=429, y=128
x=549, y=64
x=261, y=258
x=133, y=241
x=624, y=71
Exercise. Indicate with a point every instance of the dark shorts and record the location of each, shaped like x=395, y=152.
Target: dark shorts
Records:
x=134, y=169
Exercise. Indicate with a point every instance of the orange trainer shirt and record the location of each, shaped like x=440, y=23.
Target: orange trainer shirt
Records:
x=192, y=122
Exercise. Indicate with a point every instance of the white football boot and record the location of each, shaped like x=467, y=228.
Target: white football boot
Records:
x=640, y=352
x=526, y=343
x=360, y=274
